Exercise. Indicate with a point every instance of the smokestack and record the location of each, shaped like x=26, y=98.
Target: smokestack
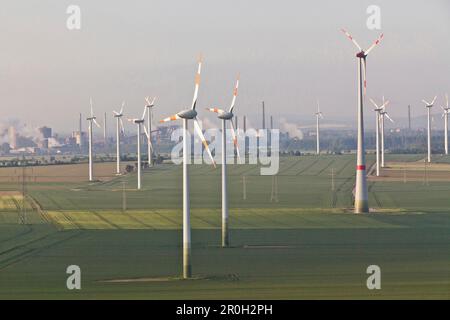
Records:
x=104, y=127
x=271, y=122
x=409, y=117
x=236, y=122
x=80, y=124
x=245, y=123
x=263, y=116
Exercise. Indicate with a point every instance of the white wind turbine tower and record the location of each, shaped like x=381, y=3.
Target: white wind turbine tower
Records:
x=185, y=115
x=361, y=193
x=119, y=130
x=446, y=110
x=91, y=119
x=149, y=106
x=318, y=115
x=139, y=122
x=224, y=116
x=383, y=114
x=378, y=111
x=429, y=106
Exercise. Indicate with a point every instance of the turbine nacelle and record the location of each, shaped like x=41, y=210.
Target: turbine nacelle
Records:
x=361, y=55
x=225, y=115
x=428, y=104
x=187, y=114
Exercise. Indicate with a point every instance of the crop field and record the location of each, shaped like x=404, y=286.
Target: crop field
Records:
x=293, y=236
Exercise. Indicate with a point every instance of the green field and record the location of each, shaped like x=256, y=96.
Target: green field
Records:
x=307, y=244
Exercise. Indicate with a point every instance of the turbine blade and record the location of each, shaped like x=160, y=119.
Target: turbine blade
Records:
x=121, y=126
x=385, y=104
x=216, y=110
x=171, y=118
x=197, y=82
x=149, y=139
x=150, y=103
x=446, y=99
x=235, y=93
x=424, y=101
x=234, y=136
x=373, y=102
x=376, y=42
x=202, y=137
x=121, y=109
x=143, y=114
x=92, y=108
x=432, y=102
x=364, y=75
x=389, y=118
x=96, y=123
x=351, y=39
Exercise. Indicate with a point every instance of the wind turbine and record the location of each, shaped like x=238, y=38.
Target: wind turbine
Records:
x=139, y=122
x=446, y=110
x=91, y=119
x=361, y=193
x=429, y=106
x=224, y=116
x=149, y=106
x=185, y=115
x=378, y=111
x=383, y=114
x=318, y=115
x=119, y=130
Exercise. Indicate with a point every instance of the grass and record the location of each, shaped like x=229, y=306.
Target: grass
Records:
x=306, y=245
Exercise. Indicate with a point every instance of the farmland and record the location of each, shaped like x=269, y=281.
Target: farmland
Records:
x=304, y=244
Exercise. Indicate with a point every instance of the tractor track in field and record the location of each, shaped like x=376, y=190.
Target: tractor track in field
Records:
x=326, y=167
x=139, y=221
x=98, y=215
x=291, y=166
x=57, y=208
x=23, y=233
x=338, y=189
x=166, y=218
x=375, y=197
x=305, y=168
x=344, y=166
x=28, y=251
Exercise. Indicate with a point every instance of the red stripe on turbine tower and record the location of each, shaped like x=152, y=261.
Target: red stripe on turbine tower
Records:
x=359, y=167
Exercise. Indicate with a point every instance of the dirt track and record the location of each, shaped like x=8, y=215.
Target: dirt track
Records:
x=412, y=171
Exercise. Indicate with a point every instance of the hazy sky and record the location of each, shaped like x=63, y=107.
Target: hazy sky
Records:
x=288, y=53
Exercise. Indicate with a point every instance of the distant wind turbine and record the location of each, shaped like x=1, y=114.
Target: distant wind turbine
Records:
x=149, y=106
x=91, y=119
x=446, y=110
x=119, y=130
x=139, y=122
x=429, y=106
x=383, y=114
x=318, y=115
x=378, y=111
